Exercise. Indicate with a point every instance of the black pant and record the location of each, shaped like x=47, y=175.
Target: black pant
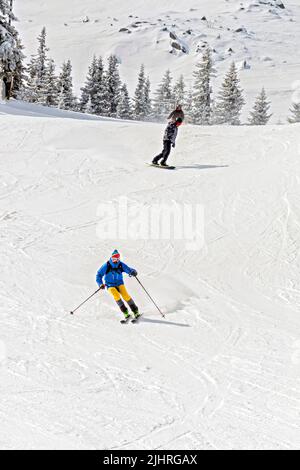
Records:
x=164, y=154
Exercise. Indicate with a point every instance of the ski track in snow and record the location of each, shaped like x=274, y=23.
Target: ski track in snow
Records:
x=220, y=370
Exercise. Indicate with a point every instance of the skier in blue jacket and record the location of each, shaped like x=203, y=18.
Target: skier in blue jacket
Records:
x=169, y=140
x=112, y=271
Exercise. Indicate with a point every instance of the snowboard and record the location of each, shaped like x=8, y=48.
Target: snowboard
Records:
x=167, y=167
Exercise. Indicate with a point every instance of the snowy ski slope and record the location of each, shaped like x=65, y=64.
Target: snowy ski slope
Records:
x=265, y=36
x=222, y=370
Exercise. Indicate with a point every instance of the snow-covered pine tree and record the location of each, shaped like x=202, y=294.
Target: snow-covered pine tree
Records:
x=201, y=108
x=147, y=98
x=164, y=100
x=66, y=99
x=88, y=107
x=92, y=87
x=35, y=91
x=295, y=116
x=188, y=105
x=113, y=84
x=139, y=96
x=86, y=90
x=102, y=98
x=142, y=99
x=99, y=87
x=259, y=116
x=51, y=85
x=179, y=91
x=11, y=55
x=124, y=106
x=230, y=99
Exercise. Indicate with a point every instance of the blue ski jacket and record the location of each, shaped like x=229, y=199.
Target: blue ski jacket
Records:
x=113, y=273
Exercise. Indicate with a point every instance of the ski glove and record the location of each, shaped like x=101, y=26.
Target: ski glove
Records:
x=102, y=286
x=173, y=145
x=133, y=273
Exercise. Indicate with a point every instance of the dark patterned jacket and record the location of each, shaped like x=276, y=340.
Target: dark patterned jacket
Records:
x=171, y=132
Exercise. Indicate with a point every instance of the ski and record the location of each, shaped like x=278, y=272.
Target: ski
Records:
x=164, y=167
x=125, y=320
x=136, y=320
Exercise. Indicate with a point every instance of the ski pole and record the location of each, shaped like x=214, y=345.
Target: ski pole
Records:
x=84, y=301
x=162, y=314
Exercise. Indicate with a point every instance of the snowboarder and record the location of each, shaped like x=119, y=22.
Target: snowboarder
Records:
x=169, y=140
x=113, y=271
x=177, y=113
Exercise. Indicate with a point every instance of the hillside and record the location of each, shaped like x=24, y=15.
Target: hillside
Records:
x=258, y=32
x=222, y=370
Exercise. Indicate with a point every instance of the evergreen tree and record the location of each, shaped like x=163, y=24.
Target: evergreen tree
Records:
x=66, y=99
x=11, y=56
x=188, y=105
x=179, y=92
x=259, y=116
x=51, y=86
x=142, y=100
x=29, y=92
x=230, y=99
x=139, y=95
x=100, y=88
x=113, y=84
x=147, y=98
x=164, y=100
x=92, y=87
x=201, y=108
x=124, y=105
x=37, y=73
x=295, y=110
x=86, y=90
x=88, y=107
x=103, y=97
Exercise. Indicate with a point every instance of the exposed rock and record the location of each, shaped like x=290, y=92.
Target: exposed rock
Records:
x=179, y=47
x=176, y=45
x=244, y=65
x=124, y=30
x=203, y=18
x=242, y=29
x=173, y=36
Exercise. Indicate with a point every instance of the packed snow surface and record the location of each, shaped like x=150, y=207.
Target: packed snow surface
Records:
x=222, y=369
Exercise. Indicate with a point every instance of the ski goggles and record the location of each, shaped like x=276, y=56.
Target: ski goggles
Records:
x=115, y=258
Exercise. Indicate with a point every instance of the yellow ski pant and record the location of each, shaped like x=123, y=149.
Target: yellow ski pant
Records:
x=118, y=292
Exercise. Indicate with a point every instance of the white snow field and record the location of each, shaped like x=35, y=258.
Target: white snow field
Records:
x=264, y=35
x=222, y=370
